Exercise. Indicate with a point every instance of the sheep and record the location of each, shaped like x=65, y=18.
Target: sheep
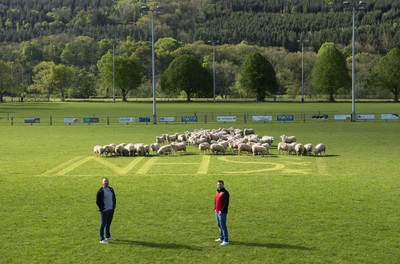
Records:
x=203, y=147
x=98, y=150
x=172, y=138
x=282, y=146
x=181, y=138
x=234, y=144
x=160, y=139
x=258, y=149
x=120, y=150
x=299, y=148
x=265, y=145
x=248, y=131
x=308, y=149
x=217, y=148
x=109, y=149
x=130, y=149
x=139, y=149
x=146, y=150
x=267, y=139
x=291, y=149
x=224, y=143
x=167, y=149
x=179, y=146
x=288, y=139
x=155, y=147
x=319, y=149
x=244, y=147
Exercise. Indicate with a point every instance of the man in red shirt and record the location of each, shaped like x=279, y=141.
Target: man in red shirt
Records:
x=221, y=205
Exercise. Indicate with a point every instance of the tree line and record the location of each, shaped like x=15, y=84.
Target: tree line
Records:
x=84, y=67
x=265, y=23
x=43, y=41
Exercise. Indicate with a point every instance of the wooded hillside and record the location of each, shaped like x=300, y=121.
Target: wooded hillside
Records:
x=264, y=23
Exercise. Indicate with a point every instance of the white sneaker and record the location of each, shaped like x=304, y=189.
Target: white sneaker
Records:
x=110, y=238
x=224, y=243
x=218, y=240
x=103, y=242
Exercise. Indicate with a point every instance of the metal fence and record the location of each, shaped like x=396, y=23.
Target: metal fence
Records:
x=198, y=117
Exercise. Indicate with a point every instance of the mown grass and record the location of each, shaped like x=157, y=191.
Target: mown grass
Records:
x=341, y=208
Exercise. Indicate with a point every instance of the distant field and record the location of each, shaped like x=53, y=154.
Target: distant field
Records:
x=339, y=208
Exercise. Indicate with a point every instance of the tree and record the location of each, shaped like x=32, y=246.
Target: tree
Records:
x=83, y=85
x=128, y=73
x=40, y=79
x=186, y=74
x=165, y=51
x=105, y=66
x=388, y=73
x=330, y=72
x=51, y=78
x=61, y=78
x=82, y=52
x=225, y=75
x=257, y=77
x=5, y=79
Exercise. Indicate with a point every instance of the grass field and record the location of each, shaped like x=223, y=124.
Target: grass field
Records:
x=340, y=208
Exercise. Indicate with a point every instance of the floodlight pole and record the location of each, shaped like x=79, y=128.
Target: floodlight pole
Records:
x=347, y=5
x=158, y=10
x=153, y=67
x=302, y=72
x=353, y=83
x=212, y=42
x=113, y=68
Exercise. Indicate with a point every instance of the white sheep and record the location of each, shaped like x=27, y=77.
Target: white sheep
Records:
x=139, y=149
x=179, y=146
x=155, y=147
x=265, y=145
x=259, y=149
x=282, y=146
x=203, y=147
x=217, y=148
x=319, y=149
x=130, y=149
x=160, y=139
x=267, y=139
x=299, y=148
x=234, y=144
x=98, y=150
x=308, y=149
x=288, y=139
x=167, y=149
x=244, y=147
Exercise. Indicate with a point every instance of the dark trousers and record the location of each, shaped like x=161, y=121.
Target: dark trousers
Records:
x=106, y=219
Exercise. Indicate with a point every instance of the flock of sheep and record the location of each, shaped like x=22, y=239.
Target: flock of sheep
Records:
x=212, y=141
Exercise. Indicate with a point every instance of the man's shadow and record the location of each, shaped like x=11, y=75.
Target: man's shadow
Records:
x=270, y=245
x=156, y=245
x=233, y=243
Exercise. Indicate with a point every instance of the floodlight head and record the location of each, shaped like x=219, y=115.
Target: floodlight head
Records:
x=362, y=4
x=346, y=5
x=144, y=9
x=159, y=9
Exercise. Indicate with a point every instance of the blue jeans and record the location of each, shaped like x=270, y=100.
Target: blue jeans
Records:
x=106, y=219
x=223, y=230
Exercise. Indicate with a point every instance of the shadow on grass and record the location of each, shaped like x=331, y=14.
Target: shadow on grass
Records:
x=270, y=245
x=155, y=245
